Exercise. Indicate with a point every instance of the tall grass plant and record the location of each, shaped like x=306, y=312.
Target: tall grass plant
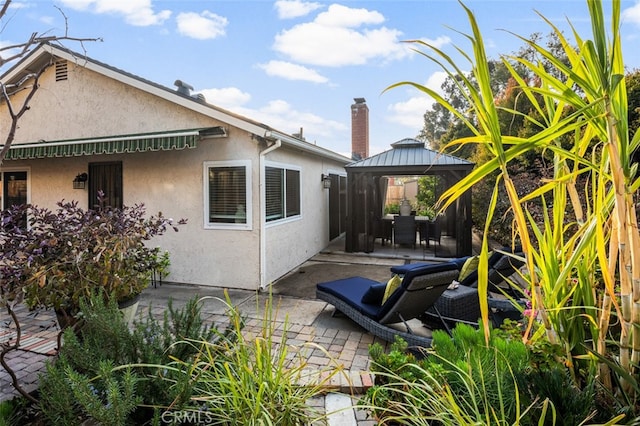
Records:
x=259, y=377
x=582, y=263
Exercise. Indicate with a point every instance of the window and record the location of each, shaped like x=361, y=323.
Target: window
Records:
x=227, y=194
x=282, y=193
x=14, y=189
x=105, y=178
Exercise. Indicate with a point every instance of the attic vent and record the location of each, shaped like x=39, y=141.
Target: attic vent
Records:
x=61, y=70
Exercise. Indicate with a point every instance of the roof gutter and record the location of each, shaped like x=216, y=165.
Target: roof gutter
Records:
x=263, y=214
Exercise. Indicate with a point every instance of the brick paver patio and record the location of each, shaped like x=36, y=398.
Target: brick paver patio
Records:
x=344, y=345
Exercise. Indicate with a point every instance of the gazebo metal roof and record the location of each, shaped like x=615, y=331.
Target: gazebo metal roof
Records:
x=410, y=154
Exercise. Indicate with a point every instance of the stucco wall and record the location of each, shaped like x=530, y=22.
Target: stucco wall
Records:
x=90, y=105
x=290, y=243
x=100, y=107
x=170, y=182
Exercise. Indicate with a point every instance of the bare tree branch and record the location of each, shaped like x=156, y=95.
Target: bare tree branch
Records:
x=31, y=81
x=37, y=38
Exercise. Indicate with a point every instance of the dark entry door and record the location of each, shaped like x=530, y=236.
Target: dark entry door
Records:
x=105, y=178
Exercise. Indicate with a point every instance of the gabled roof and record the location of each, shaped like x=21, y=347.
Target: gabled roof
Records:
x=42, y=55
x=410, y=154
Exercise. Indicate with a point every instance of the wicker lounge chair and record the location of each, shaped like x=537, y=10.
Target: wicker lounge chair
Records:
x=502, y=264
x=419, y=290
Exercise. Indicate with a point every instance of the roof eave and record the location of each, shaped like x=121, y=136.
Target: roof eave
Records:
x=206, y=109
x=306, y=146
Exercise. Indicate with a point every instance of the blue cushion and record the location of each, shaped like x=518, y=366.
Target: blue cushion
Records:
x=402, y=269
x=351, y=290
x=374, y=294
x=422, y=269
x=427, y=268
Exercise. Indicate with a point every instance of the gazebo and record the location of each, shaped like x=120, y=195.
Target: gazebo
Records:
x=367, y=185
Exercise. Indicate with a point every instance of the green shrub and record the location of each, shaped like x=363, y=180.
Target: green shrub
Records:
x=392, y=208
x=8, y=412
x=179, y=368
x=89, y=376
x=462, y=380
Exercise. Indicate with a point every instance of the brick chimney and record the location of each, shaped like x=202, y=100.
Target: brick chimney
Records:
x=359, y=129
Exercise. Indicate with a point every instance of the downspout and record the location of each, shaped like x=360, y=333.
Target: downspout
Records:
x=263, y=218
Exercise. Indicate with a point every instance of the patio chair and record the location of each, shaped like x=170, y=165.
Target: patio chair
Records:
x=430, y=231
x=383, y=229
x=360, y=299
x=404, y=230
x=501, y=299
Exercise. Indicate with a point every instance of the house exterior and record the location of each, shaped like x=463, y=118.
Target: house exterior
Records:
x=255, y=198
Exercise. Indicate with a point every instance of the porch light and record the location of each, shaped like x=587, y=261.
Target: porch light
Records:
x=80, y=181
x=326, y=181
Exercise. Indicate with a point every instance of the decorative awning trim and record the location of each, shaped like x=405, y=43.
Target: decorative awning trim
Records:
x=142, y=142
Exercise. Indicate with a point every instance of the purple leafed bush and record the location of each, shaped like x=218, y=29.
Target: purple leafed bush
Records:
x=54, y=258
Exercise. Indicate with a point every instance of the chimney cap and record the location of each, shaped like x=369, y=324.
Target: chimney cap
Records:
x=359, y=100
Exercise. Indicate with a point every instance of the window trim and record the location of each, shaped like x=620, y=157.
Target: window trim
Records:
x=248, y=226
x=285, y=167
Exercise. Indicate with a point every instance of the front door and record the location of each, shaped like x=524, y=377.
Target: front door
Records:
x=105, y=178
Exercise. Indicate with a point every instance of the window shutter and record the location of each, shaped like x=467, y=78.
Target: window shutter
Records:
x=274, y=187
x=293, y=192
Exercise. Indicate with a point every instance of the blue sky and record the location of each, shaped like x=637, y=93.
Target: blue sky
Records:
x=295, y=64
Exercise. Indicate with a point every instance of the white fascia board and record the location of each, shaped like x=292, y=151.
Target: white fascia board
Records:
x=306, y=146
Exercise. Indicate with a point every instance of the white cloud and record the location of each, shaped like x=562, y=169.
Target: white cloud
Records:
x=335, y=39
x=410, y=113
x=282, y=116
x=439, y=42
x=135, y=12
x=203, y=26
x=18, y=5
x=291, y=71
x=288, y=9
x=343, y=16
x=227, y=97
x=632, y=14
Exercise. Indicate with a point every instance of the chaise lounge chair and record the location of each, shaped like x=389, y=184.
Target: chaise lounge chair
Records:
x=502, y=264
x=360, y=299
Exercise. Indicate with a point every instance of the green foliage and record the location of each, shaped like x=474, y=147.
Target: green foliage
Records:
x=261, y=378
x=9, y=412
x=111, y=404
x=578, y=227
x=170, y=368
x=88, y=379
x=463, y=379
x=427, y=196
x=392, y=208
